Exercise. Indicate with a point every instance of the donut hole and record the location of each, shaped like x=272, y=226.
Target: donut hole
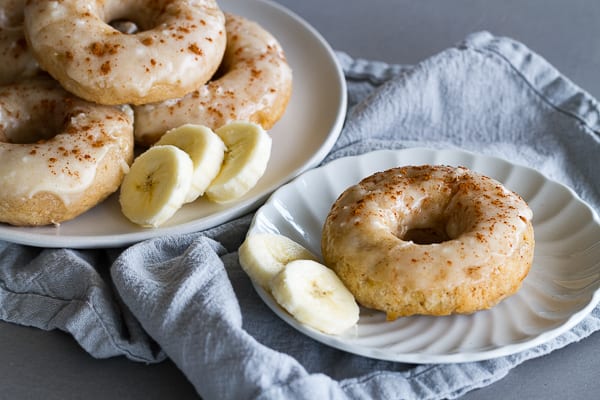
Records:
x=444, y=215
x=28, y=133
x=426, y=235
x=31, y=132
x=39, y=122
x=131, y=17
x=436, y=226
x=124, y=25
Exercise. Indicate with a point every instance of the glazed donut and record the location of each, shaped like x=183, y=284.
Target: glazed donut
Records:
x=432, y=240
x=16, y=61
x=254, y=84
x=178, y=48
x=49, y=177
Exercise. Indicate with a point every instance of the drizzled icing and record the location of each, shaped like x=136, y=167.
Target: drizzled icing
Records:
x=254, y=84
x=479, y=224
x=64, y=164
x=179, y=47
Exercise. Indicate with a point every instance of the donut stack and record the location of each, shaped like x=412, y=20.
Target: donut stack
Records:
x=158, y=64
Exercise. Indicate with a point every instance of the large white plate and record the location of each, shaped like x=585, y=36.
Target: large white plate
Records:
x=562, y=287
x=301, y=139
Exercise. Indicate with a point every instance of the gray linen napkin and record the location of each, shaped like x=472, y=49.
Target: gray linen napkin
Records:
x=186, y=297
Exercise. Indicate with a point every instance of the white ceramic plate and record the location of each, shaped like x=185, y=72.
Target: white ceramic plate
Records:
x=301, y=139
x=562, y=287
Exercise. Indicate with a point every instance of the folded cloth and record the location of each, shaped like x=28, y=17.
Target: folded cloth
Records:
x=186, y=297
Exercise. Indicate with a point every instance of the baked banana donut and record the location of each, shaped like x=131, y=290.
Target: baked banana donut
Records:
x=16, y=61
x=178, y=48
x=60, y=155
x=431, y=240
x=254, y=83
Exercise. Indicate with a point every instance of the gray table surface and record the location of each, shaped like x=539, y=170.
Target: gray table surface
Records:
x=49, y=365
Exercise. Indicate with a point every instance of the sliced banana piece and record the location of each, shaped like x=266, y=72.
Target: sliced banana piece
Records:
x=156, y=185
x=263, y=255
x=315, y=296
x=205, y=148
x=248, y=152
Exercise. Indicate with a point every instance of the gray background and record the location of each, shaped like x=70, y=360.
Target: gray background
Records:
x=49, y=365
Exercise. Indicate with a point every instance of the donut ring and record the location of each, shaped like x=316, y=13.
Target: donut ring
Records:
x=254, y=84
x=431, y=240
x=178, y=49
x=48, y=178
x=16, y=61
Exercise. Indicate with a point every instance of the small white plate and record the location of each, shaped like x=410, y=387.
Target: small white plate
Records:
x=562, y=287
x=301, y=139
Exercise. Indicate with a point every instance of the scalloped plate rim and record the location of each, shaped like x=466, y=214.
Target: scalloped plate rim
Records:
x=421, y=357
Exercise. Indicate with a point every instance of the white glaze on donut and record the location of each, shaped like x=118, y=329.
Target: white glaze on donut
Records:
x=178, y=48
x=60, y=155
x=448, y=238
x=254, y=84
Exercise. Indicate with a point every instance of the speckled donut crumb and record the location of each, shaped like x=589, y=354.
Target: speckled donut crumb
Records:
x=431, y=240
x=254, y=84
x=178, y=48
x=60, y=155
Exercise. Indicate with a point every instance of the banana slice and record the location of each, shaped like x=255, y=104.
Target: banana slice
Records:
x=246, y=158
x=156, y=185
x=205, y=148
x=315, y=296
x=263, y=255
